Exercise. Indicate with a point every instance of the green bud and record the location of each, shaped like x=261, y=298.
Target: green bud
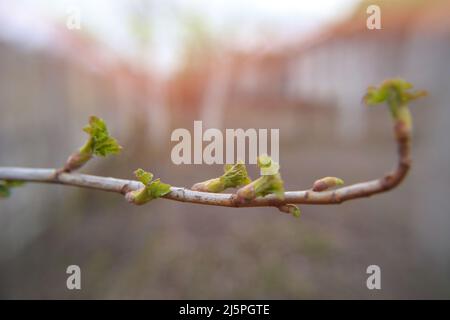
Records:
x=7, y=185
x=144, y=176
x=396, y=93
x=267, y=165
x=270, y=181
x=151, y=190
x=215, y=185
x=264, y=161
x=326, y=183
x=261, y=187
x=290, y=209
x=100, y=143
x=269, y=184
x=234, y=176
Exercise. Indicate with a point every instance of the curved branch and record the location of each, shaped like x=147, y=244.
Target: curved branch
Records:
x=358, y=190
x=394, y=92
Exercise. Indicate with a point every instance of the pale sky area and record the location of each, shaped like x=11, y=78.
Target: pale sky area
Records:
x=242, y=23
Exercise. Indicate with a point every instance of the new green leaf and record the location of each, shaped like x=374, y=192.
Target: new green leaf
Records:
x=144, y=176
x=396, y=93
x=234, y=176
x=269, y=183
x=100, y=142
x=151, y=189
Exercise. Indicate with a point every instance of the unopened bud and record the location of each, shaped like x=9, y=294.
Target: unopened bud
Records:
x=326, y=183
x=76, y=161
x=290, y=209
x=261, y=187
x=213, y=185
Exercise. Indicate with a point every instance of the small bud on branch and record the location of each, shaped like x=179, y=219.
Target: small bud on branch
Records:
x=270, y=183
x=326, y=183
x=151, y=189
x=290, y=209
x=267, y=166
x=100, y=143
x=234, y=176
x=7, y=185
x=396, y=93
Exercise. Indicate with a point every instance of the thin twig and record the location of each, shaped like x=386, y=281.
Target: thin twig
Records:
x=395, y=92
x=359, y=190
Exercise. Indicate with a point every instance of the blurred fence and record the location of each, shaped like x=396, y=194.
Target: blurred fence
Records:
x=311, y=90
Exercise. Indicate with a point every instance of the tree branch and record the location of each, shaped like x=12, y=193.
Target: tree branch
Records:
x=392, y=91
x=359, y=190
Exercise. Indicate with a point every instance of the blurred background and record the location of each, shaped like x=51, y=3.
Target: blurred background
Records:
x=148, y=67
